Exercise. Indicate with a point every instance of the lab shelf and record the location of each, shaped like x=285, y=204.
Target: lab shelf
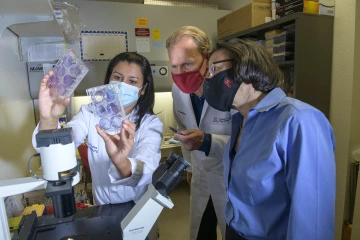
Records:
x=286, y=64
x=313, y=55
x=261, y=29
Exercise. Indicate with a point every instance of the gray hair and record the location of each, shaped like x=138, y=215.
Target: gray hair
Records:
x=201, y=39
x=253, y=64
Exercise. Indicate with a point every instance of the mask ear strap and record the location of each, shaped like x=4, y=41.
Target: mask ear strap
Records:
x=144, y=93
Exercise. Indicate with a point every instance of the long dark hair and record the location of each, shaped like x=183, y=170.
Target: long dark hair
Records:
x=145, y=103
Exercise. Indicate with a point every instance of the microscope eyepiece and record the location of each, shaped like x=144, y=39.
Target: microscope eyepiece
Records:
x=168, y=174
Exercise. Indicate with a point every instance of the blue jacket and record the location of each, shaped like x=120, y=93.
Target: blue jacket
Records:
x=281, y=181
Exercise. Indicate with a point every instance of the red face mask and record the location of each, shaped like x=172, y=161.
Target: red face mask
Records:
x=189, y=82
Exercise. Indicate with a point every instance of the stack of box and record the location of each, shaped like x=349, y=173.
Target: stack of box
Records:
x=269, y=36
x=246, y=17
x=288, y=7
x=283, y=49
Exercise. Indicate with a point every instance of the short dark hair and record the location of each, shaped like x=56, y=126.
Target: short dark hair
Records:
x=145, y=103
x=253, y=64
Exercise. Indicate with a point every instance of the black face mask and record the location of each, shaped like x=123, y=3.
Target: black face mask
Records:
x=220, y=90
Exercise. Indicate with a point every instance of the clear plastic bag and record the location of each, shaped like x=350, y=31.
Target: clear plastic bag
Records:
x=106, y=104
x=69, y=71
x=69, y=20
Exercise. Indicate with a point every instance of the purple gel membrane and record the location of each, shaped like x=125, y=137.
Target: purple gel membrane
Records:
x=61, y=89
x=116, y=122
x=54, y=80
x=68, y=80
x=75, y=70
x=110, y=96
x=105, y=123
x=100, y=111
x=112, y=109
x=60, y=70
x=67, y=61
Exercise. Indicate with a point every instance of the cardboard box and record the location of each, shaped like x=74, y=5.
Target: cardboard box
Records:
x=249, y=16
x=288, y=7
x=327, y=7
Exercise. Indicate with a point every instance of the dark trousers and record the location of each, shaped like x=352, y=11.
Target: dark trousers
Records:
x=208, y=224
x=232, y=235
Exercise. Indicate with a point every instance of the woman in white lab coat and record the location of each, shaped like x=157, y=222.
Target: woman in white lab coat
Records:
x=121, y=164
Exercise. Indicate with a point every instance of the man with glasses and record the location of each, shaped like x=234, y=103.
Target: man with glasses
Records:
x=204, y=130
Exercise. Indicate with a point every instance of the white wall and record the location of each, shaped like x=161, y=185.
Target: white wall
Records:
x=355, y=111
x=230, y=4
x=355, y=124
x=342, y=98
x=98, y=15
x=16, y=111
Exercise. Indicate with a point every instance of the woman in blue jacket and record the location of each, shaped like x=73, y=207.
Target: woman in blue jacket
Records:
x=279, y=162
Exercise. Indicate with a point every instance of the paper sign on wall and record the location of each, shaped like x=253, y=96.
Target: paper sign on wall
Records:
x=102, y=45
x=142, y=32
x=142, y=22
x=142, y=45
x=158, y=44
x=45, y=52
x=156, y=34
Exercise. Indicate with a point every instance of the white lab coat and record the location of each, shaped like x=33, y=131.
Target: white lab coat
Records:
x=207, y=171
x=108, y=186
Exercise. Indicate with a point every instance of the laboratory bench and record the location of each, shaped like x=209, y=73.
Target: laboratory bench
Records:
x=166, y=147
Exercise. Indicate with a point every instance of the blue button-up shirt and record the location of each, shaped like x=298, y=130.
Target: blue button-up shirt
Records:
x=281, y=179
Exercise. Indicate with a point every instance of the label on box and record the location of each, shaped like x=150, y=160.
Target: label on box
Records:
x=262, y=7
x=324, y=7
x=288, y=10
x=327, y=7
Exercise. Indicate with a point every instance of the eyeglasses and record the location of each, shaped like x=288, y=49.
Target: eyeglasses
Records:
x=212, y=68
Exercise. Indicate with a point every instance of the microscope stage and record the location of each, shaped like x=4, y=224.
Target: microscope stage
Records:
x=100, y=222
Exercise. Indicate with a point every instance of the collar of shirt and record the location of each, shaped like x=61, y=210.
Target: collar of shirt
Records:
x=271, y=99
x=194, y=96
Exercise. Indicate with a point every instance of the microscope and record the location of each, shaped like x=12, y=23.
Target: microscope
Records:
x=105, y=222
x=58, y=159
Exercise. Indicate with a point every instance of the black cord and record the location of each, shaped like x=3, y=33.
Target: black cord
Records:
x=29, y=161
